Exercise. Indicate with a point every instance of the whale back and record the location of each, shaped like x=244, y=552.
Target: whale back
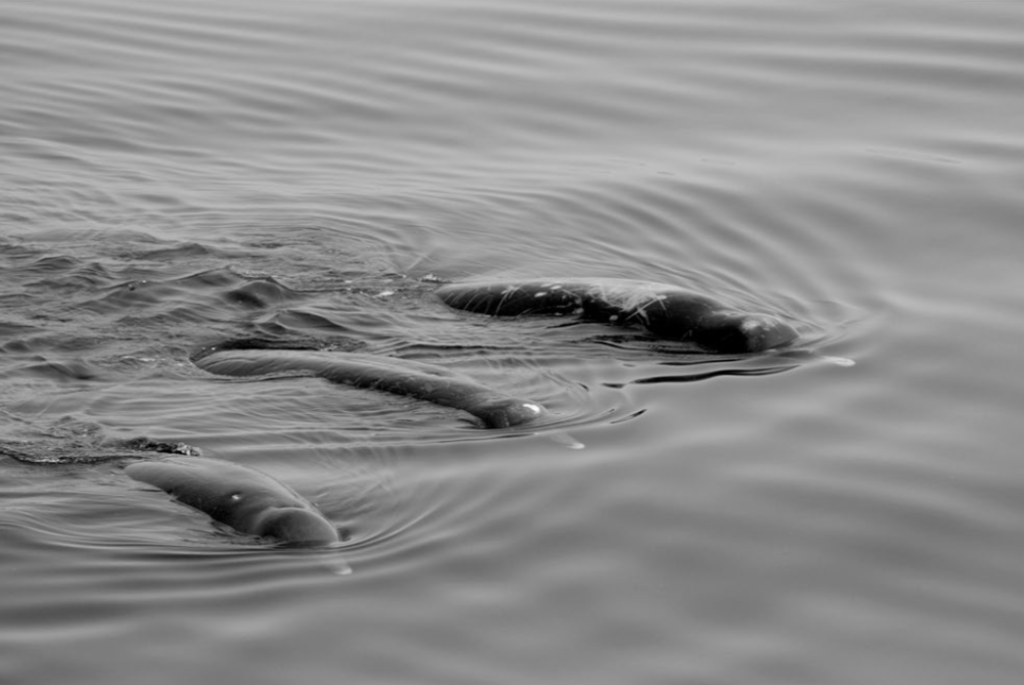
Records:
x=665, y=311
x=248, y=500
x=419, y=380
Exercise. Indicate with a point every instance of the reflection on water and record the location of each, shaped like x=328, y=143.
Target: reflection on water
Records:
x=178, y=176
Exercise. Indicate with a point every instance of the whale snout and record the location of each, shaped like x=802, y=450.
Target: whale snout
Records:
x=297, y=526
x=766, y=333
x=505, y=413
x=731, y=332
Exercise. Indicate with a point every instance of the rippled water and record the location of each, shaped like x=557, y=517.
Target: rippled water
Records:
x=175, y=176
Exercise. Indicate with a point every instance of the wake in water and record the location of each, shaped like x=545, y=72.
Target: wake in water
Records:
x=323, y=339
x=64, y=452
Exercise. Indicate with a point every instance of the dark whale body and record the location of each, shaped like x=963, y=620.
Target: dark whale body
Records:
x=398, y=376
x=664, y=311
x=248, y=500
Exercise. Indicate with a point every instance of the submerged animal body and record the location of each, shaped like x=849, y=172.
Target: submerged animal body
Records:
x=248, y=500
x=426, y=382
x=254, y=503
x=664, y=311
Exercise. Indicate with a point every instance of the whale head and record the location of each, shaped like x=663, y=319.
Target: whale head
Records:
x=734, y=332
x=508, y=412
x=296, y=526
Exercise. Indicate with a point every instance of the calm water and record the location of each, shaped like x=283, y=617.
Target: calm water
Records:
x=173, y=176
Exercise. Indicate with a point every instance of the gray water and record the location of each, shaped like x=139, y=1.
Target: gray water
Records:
x=177, y=175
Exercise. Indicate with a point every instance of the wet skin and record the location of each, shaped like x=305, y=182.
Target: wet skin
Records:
x=248, y=500
x=427, y=382
x=662, y=310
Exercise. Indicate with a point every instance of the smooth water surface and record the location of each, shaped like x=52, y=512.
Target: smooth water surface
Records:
x=174, y=176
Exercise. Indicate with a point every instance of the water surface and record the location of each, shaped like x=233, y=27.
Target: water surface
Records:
x=174, y=176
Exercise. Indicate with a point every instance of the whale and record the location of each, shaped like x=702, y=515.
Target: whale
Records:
x=428, y=382
x=241, y=497
x=664, y=311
